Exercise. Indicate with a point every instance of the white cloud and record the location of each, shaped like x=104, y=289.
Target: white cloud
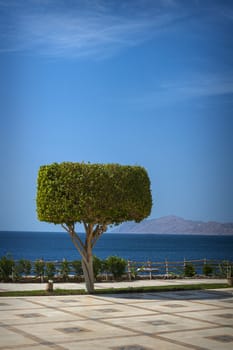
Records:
x=179, y=91
x=80, y=36
x=91, y=28
x=205, y=86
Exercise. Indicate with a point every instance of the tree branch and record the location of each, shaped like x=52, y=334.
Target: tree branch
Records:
x=65, y=227
x=70, y=228
x=98, y=231
x=85, y=226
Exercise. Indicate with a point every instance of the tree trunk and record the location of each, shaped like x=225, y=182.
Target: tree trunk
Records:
x=87, y=267
x=85, y=249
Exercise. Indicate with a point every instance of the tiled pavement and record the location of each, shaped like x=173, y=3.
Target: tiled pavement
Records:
x=198, y=320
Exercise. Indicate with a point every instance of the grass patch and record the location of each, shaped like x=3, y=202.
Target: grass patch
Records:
x=148, y=289
x=168, y=288
x=31, y=293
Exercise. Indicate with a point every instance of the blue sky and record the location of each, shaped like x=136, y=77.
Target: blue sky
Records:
x=132, y=82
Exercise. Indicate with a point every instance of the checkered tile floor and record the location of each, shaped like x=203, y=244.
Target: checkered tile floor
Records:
x=197, y=320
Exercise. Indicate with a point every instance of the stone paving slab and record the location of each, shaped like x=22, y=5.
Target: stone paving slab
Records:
x=196, y=320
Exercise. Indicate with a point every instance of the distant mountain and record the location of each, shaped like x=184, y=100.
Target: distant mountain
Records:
x=175, y=224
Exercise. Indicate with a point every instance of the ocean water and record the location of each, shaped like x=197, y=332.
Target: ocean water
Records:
x=138, y=247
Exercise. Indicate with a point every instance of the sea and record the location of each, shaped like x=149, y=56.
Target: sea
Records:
x=56, y=246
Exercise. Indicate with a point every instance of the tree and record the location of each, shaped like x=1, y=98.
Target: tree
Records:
x=96, y=195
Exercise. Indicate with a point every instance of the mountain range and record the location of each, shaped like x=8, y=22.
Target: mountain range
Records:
x=176, y=225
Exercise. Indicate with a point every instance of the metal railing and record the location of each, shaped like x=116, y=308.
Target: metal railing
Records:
x=177, y=268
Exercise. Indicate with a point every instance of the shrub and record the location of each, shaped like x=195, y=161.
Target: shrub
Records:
x=77, y=266
x=226, y=268
x=104, y=268
x=189, y=270
x=97, y=266
x=207, y=270
x=65, y=270
x=116, y=266
x=24, y=267
x=50, y=270
x=6, y=268
x=39, y=267
x=134, y=270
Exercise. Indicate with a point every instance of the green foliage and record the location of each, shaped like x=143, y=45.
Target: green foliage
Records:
x=50, y=269
x=134, y=270
x=97, y=265
x=104, y=266
x=226, y=268
x=207, y=269
x=65, y=270
x=189, y=270
x=230, y=271
x=116, y=266
x=92, y=193
x=6, y=267
x=77, y=266
x=22, y=268
x=39, y=267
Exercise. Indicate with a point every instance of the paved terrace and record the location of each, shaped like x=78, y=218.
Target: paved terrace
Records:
x=197, y=320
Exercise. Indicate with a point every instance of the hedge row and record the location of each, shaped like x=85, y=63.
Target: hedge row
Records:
x=11, y=270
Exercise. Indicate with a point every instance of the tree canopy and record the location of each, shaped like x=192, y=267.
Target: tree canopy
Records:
x=92, y=193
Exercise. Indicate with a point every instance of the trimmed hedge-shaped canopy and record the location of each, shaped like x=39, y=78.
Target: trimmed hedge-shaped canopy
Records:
x=92, y=193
